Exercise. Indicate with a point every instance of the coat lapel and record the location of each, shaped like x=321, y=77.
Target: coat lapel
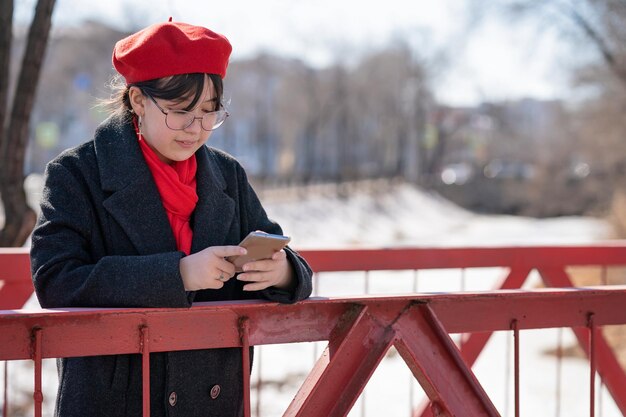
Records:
x=134, y=201
x=215, y=210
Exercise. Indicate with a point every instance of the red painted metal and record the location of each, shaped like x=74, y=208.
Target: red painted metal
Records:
x=81, y=331
x=608, y=253
x=607, y=365
x=515, y=328
x=259, y=383
x=359, y=331
x=15, y=267
x=592, y=366
x=518, y=259
x=475, y=342
x=355, y=347
x=36, y=356
x=244, y=328
x=16, y=286
x=436, y=363
x=144, y=343
x=612, y=373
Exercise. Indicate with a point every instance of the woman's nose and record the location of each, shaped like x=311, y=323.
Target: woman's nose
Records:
x=195, y=126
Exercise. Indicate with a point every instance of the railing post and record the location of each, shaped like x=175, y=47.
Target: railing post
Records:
x=244, y=331
x=364, y=391
x=515, y=327
x=145, y=368
x=36, y=357
x=592, y=365
x=434, y=359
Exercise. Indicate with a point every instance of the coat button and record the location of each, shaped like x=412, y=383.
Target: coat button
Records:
x=172, y=398
x=215, y=391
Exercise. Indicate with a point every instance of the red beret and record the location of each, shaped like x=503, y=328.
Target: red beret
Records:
x=171, y=48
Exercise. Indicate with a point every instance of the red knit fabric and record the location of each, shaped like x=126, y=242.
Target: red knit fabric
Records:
x=177, y=186
x=171, y=48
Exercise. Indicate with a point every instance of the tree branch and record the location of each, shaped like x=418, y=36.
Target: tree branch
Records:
x=601, y=43
x=17, y=135
x=6, y=29
x=20, y=218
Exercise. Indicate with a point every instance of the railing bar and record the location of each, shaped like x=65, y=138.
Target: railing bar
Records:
x=507, y=377
x=145, y=368
x=5, y=407
x=559, y=369
x=462, y=290
x=364, y=392
x=592, y=365
x=315, y=292
x=244, y=327
x=259, y=380
x=412, y=378
x=604, y=276
x=36, y=356
x=515, y=327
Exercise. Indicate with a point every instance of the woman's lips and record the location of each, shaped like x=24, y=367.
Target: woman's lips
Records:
x=187, y=143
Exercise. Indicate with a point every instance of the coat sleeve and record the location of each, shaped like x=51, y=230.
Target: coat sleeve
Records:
x=68, y=269
x=254, y=217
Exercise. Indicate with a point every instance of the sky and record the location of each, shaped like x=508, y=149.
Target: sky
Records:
x=494, y=61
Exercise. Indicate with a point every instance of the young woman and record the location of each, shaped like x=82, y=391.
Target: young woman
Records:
x=144, y=215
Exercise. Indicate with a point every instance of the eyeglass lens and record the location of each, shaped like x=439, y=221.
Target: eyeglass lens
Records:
x=179, y=120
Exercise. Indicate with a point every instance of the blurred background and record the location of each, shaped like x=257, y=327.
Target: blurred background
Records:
x=511, y=107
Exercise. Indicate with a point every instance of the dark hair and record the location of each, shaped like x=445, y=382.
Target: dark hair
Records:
x=177, y=88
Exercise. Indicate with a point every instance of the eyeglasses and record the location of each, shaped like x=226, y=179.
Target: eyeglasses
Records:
x=181, y=119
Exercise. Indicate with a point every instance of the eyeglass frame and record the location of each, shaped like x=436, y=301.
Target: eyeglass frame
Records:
x=162, y=110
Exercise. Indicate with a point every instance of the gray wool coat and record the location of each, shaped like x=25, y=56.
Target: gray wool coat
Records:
x=104, y=240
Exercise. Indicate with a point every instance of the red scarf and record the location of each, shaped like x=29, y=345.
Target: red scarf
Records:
x=177, y=186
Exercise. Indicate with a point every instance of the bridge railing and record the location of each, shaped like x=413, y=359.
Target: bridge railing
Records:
x=359, y=330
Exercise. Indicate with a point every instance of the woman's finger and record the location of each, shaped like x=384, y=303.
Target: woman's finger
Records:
x=226, y=267
x=262, y=266
x=256, y=286
x=281, y=254
x=253, y=277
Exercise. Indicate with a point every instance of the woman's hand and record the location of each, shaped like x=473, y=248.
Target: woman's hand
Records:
x=208, y=268
x=275, y=272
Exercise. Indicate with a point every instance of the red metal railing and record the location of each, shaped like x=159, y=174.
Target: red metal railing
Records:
x=16, y=286
x=359, y=329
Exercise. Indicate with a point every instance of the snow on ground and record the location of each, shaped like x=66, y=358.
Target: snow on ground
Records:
x=406, y=216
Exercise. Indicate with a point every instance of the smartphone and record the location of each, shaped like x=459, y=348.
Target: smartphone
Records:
x=260, y=245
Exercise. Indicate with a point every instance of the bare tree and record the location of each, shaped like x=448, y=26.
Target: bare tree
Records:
x=600, y=24
x=19, y=217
